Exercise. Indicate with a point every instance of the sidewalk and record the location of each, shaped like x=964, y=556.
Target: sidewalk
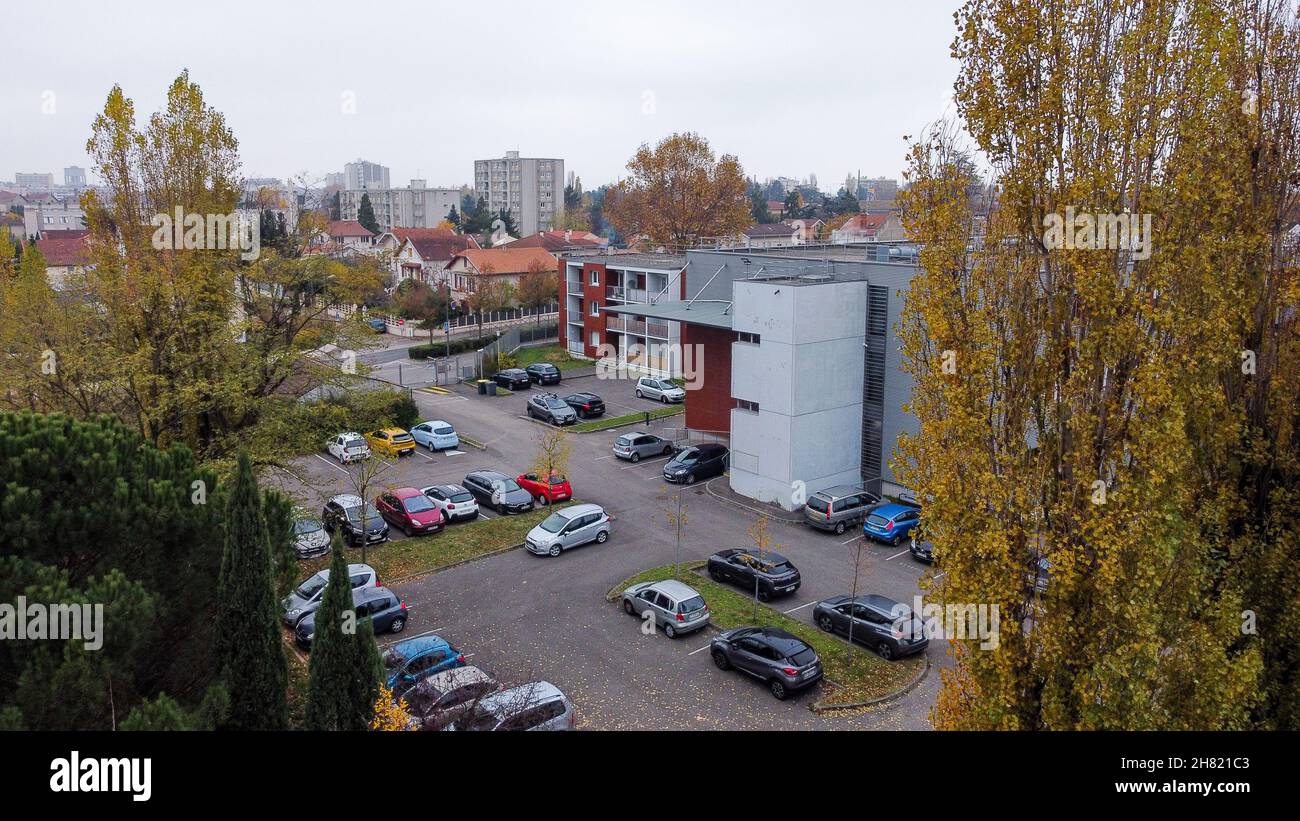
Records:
x=719, y=488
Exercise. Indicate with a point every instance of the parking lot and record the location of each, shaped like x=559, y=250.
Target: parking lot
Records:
x=524, y=617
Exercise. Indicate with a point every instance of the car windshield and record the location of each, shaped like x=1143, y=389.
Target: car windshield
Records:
x=556, y=479
x=688, y=455
x=303, y=526
x=310, y=587
x=354, y=444
x=553, y=523
x=417, y=504
x=354, y=513
x=545, y=368
x=623, y=440
x=804, y=656
x=876, y=520
x=393, y=661
x=480, y=721
x=507, y=485
x=555, y=404
x=691, y=605
x=401, y=437
x=443, y=431
x=462, y=496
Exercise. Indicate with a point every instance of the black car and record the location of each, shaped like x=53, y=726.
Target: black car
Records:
x=698, y=462
x=543, y=373
x=921, y=549
x=498, y=491
x=586, y=405
x=386, y=611
x=345, y=513
x=741, y=566
x=769, y=654
x=876, y=621
x=513, y=379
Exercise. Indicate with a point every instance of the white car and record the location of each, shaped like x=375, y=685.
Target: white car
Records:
x=568, y=528
x=660, y=389
x=454, y=501
x=348, y=447
x=435, y=434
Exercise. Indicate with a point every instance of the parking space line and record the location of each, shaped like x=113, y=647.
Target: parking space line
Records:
x=896, y=555
x=851, y=541
x=598, y=458
x=454, y=452
x=331, y=464
x=800, y=607
x=705, y=647
x=647, y=462
x=426, y=456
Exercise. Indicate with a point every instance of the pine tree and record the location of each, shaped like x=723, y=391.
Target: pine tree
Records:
x=249, y=649
x=366, y=215
x=367, y=675
x=333, y=653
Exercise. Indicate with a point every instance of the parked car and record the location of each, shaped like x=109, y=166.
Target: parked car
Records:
x=345, y=512
x=921, y=549
x=698, y=462
x=570, y=527
x=348, y=447
x=498, y=491
x=393, y=442
x=838, y=508
x=677, y=608
x=309, y=538
x=543, y=373
x=891, y=522
x=410, y=511
x=660, y=389
x=453, y=500
x=435, y=435
x=585, y=404
x=438, y=700
x=536, y=706
x=306, y=597
x=637, y=445
x=769, y=654
x=1043, y=576
x=554, y=489
x=513, y=379
x=386, y=611
x=550, y=408
x=377, y=325
x=407, y=662
x=877, y=621
x=740, y=566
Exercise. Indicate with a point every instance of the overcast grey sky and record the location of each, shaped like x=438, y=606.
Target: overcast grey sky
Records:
x=791, y=89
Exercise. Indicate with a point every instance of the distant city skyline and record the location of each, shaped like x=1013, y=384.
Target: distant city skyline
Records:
x=843, y=109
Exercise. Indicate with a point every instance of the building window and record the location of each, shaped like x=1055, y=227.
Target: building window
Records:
x=746, y=405
x=595, y=277
x=595, y=308
x=595, y=339
x=746, y=336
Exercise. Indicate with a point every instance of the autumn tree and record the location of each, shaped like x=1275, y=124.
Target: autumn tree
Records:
x=538, y=287
x=489, y=293
x=1121, y=403
x=679, y=193
x=552, y=455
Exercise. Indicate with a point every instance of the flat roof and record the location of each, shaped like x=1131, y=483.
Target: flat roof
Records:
x=711, y=313
x=615, y=259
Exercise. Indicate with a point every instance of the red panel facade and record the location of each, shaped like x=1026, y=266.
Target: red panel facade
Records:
x=592, y=294
x=708, y=406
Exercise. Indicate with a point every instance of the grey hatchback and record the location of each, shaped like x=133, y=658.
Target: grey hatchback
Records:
x=386, y=611
x=770, y=654
x=639, y=445
x=676, y=607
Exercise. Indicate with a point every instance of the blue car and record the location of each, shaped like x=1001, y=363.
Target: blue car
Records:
x=435, y=435
x=377, y=325
x=407, y=662
x=891, y=523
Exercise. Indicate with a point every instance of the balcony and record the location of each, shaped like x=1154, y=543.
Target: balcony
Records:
x=574, y=287
x=625, y=324
x=626, y=294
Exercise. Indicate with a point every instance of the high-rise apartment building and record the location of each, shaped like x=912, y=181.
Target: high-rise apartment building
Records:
x=416, y=206
x=364, y=175
x=530, y=188
x=74, y=176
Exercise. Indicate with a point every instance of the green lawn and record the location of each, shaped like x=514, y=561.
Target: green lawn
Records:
x=607, y=422
x=456, y=543
x=554, y=354
x=860, y=674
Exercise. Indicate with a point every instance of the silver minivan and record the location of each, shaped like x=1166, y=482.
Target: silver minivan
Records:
x=838, y=508
x=660, y=389
x=676, y=607
x=536, y=706
x=569, y=527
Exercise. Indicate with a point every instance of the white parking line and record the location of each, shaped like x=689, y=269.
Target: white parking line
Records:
x=331, y=464
x=647, y=462
x=851, y=541
x=800, y=607
x=454, y=452
x=896, y=555
x=705, y=647
x=598, y=458
x=425, y=455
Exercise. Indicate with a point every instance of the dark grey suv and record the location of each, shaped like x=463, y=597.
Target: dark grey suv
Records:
x=769, y=654
x=498, y=491
x=876, y=621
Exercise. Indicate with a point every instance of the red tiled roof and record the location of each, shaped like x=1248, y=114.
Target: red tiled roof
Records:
x=442, y=247
x=775, y=229
x=65, y=233
x=867, y=223
x=63, y=251
x=403, y=234
x=555, y=240
x=349, y=228
x=509, y=260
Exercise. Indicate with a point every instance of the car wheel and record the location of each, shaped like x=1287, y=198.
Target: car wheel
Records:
x=886, y=652
x=669, y=631
x=602, y=537
x=778, y=689
x=628, y=608
x=720, y=659
x=715, y=575
x=824, y=622
x=636, y=457
x=638, y=395
x=894, y=541
x=663, y=399
x=690, y=478
x=839, y=528
x=397, y=625
x=667, y=450
x=543, y=501
x=555, y=550
x=763, y=595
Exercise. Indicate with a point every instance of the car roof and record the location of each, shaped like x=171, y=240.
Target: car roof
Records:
x=360, y=594
x=447, y=488
x=490, y=474
x=892, y=509
x=574, y=511
x=674, y=589
x=770, y=556
x=585, y=393
x=435, y=422
x=420, y=644
x=882, y=603
x=513, y=370
x=352, y=569
x=841, y=490
x=390, y=430
x=407, y=492
x=543, y=365
x=455, y=677
x=349, y=433
x=347, y=499
x=538, y=692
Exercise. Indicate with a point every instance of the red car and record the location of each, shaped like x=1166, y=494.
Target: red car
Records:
x=556, y=490
x=409, y=510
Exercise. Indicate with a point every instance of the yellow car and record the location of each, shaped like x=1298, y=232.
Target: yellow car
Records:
x=390, y=442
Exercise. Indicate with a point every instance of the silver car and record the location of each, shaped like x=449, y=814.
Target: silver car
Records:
x=638, y=444
x=677, y=608
x=536, y=706
x=570, y=527
x=661, y=389
x=306, y=597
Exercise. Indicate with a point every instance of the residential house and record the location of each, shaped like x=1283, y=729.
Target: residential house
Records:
x=65, y=256
x=509, y=264
x=424, y=257
x=771, y=235
x=869, y=228
x=554, y=241
x=808, y=230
